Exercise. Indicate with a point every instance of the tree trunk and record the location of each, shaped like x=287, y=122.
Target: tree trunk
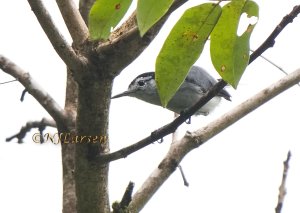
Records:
x=68, y=149
x=91, y=177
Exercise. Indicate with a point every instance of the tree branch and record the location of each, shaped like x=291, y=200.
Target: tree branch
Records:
x=73, y=20
x=63, y=49
x=190, y=141
x=49, y=104
x=171, y=127
x=84, y=9
x=120, y=207
x=41, y=125
x=165, y=130
x=270, y=41
x=282, y=190
x=126, y=44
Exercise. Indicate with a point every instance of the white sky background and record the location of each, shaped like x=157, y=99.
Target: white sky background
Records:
x=237, y=171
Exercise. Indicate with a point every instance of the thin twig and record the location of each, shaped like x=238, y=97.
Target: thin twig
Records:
x=274, y=64
x=174, y=139
x=31, y=125
x=6, y=82
x=49, y=104
x=270, y=41
x=73, y=20
x=165, y=130
x=171, y=127
x=120, y=207
x=282, y=189
x=63, y=49
x=195, y=139
x=185, y=182
x=84, y=8
x=126, y=199
x=23, y=95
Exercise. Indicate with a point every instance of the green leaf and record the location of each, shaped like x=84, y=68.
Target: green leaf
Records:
x=104, y=15
x=149, y=12
x=230, y=52
x=183, y=47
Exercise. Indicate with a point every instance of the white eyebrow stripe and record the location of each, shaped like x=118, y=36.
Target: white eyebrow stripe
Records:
x=147, y=78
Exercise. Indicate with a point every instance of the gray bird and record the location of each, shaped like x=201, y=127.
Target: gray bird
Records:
x=197, y=82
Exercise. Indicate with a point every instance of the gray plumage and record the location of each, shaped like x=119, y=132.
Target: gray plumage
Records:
x=197, y=82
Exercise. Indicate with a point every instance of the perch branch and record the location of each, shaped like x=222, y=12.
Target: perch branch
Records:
x=282, y=190
x=49, y=104
x=73, y=20
x=63, y=49
x=171, y=127
x=270, y=41
x=31, y=125
x=193, y=140
x=165, y=130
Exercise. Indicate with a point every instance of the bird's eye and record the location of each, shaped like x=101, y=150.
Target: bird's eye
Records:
x=141, y=83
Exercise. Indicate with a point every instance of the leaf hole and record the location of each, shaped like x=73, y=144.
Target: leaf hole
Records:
x=244, y=23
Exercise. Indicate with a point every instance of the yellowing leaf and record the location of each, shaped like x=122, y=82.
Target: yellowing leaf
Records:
x=104, y=15
x=230, y=52
x=183, y=47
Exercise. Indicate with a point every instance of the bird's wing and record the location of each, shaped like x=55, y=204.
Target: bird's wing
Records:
x=205, y=81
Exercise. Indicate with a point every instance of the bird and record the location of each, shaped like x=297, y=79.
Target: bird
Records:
x=197, y=82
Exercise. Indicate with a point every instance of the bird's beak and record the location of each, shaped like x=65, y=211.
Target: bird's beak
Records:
x=126, y=93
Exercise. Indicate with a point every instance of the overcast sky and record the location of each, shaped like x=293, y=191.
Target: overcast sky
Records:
x=237, y=171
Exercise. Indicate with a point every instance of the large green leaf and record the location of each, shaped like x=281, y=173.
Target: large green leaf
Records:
x=149, y=12
x=230, y=52
x=183, y=47
x=104, y=15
